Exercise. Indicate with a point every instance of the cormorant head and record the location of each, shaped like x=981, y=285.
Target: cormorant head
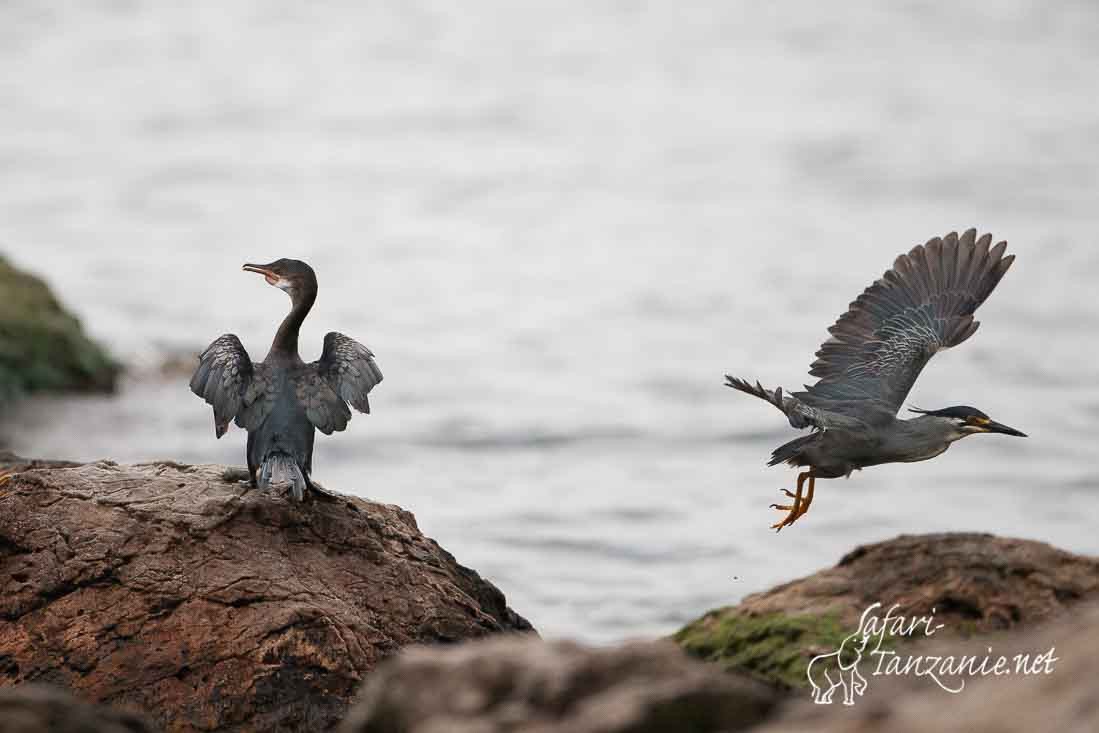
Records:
x=293, y=276
x=970, y=420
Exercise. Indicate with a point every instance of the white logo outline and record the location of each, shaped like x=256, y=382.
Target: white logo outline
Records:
x=840, y=668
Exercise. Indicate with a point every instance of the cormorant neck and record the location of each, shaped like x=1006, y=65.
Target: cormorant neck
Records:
x=286, y=339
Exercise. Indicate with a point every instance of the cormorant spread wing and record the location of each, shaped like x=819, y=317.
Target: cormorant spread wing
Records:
x=345, y=373
x=235, y=387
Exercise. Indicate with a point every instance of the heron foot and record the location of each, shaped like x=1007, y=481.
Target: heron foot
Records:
x=5, y=477
x=787, y=507
x=800, y=505
x=795, y=511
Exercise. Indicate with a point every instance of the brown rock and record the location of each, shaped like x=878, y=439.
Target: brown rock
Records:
x=973, y=583
x=1016, y=596
x=1064, y=700
x=45, y=709
x=978, y=582
x=11, y=463
x=171, y=589
x=507, y=685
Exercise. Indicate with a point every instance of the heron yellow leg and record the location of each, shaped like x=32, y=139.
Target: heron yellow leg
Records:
x=5, y=477
x=809, y=496
x=796, y=509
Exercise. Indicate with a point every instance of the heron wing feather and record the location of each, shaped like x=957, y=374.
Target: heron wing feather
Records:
x=924, y=304
x=801, y=414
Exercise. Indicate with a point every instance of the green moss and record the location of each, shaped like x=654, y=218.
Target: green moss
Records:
x=42, y=346
x=775, y=648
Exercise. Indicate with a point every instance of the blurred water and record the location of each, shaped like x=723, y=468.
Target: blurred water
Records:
x=557, y=226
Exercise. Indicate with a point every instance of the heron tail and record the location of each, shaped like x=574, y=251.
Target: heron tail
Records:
x=790, y=453
x=279, y=466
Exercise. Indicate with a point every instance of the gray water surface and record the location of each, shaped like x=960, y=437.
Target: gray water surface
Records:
x=558, y=225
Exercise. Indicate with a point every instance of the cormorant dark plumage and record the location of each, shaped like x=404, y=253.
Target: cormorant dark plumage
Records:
x=877, y=350
x=281, y=400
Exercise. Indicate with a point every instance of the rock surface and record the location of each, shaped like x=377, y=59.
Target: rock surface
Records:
x=45, y=709
x=174, y=590
x=513, y=685
x=1015, y=597
x=974, y=584
x=42, y=346
x=1063, y=700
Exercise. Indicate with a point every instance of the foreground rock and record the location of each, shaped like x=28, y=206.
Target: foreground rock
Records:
x=42, y=346
x=171, y=589
x=1063, y=700
x=1027, y=602
x=973, y=583
x=44, y=709
x=524, y=685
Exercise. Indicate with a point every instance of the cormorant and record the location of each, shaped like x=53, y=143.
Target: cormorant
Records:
x=281, y=400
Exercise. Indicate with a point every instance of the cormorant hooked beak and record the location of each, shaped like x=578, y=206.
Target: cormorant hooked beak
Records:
x=994, y=427
x=265, y=270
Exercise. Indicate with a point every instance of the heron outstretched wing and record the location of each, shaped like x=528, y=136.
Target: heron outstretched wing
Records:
x=235, y=387
x=803, y=414
x=345, y=373
x=800, y=414
x=924, y=304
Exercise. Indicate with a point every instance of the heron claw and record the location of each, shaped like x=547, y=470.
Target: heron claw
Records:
x=799, y=506
x=788, y=519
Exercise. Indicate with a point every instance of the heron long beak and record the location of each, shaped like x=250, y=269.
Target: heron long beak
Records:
x=995, y=427
x=269, y=275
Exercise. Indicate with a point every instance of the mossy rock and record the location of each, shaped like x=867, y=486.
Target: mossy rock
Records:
x=775, y=648
x=974, y=585
x=42, y=346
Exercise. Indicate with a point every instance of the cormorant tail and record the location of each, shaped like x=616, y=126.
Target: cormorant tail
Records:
x=281, y=466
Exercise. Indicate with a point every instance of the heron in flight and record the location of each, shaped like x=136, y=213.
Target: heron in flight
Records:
x=877, y=349
x=282, y=400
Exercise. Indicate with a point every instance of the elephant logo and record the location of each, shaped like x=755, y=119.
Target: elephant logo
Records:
x=840, y=668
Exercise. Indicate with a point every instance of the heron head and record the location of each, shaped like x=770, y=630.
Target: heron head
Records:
x=292, y=276
x=970, y=420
